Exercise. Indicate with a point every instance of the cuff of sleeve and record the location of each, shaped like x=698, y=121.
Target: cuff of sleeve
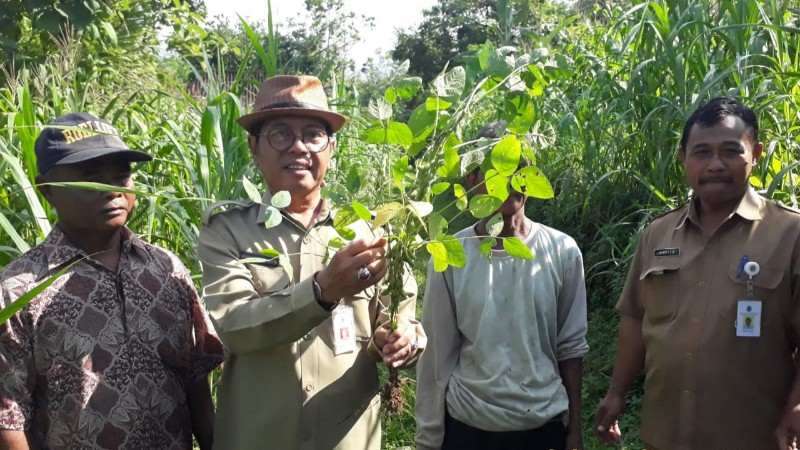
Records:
x=305, y=302
x=572, y=353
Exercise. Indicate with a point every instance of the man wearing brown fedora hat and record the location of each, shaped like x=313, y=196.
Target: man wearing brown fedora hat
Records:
x=302, y=339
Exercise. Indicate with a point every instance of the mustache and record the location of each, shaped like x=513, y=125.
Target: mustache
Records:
x=715, y=180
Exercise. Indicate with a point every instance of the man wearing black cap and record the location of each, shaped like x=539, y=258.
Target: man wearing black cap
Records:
x=115, y=353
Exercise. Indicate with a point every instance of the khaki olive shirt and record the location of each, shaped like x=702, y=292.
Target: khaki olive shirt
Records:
x=282, y=385
x=706, y=388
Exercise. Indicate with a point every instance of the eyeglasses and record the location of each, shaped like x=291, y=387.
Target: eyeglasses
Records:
x=282, y=138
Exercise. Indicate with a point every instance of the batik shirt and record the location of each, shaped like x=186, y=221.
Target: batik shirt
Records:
x=102, y=359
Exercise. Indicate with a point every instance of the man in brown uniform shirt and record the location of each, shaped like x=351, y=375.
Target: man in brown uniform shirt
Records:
x=294, y=378
x=710, y=306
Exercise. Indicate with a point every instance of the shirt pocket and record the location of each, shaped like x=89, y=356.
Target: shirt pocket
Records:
x=767, y=288
x=269, y=280
x=660, y=286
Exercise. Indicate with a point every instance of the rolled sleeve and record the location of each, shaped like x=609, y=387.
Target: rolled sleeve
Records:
x=17, y=369
x=245, y=320
x=572, y=322
x=437, y=363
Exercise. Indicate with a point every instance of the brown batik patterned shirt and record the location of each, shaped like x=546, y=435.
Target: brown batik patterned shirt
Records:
x=101, y=360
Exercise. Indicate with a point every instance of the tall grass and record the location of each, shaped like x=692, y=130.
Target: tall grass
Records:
x=615, y=92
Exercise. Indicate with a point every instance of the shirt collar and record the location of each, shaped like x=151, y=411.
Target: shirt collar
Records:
x=751, y=207
x=59, y=250
x=266, y=199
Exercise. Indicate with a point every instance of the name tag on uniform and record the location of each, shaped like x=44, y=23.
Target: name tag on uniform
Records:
x=748, y=318
x=344, y=329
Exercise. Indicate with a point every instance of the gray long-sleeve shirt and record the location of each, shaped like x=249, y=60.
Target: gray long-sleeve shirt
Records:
x=493, y=351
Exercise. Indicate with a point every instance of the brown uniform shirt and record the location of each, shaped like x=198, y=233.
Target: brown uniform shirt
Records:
x=283, y=386
x=706, y=388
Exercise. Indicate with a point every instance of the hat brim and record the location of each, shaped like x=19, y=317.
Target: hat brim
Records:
x=86, y=155
x=250, y=121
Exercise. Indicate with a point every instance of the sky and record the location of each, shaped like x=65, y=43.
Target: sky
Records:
x=389, y=16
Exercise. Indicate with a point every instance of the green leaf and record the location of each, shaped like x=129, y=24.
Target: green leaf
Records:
x=520, y=113
x=270, y=252
x=483, y=205
x=451, y=166
x=494, y=226
x=399, y=172
x=440, y=187
x=385, y=213
x=406, y=88
x=516, y=248
x=99, y=187
x=395, y=133
x=344, y=217
x=390, y=95
x=530, y=181
x=421, y=123
x=272, y=217
x=436, y=104
x=437, y=225
x=346, y=233
x=361, y=211
x=505, y=155
x=353, y=180
x=456, y=256
x=281, y=199
x=486, y=246
x=496, y=185
x=421, y=209
x=109, y=30
x=21, y=301
x=268, y=60
x=336, y=243
x=438, y=253
x=461, y=196
x=251, y=190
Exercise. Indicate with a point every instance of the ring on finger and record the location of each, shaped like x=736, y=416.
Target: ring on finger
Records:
x=363, y=274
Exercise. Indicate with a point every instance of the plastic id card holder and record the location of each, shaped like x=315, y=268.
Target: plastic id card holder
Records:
x=344, y=329
x=748, y=318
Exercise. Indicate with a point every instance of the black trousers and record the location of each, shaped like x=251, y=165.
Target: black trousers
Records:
x=460, y=436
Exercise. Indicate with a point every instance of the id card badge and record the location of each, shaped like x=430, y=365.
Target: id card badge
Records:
x=344, y=329
x=748, y=318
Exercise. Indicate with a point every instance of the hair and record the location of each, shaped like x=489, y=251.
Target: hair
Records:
x=714, y=112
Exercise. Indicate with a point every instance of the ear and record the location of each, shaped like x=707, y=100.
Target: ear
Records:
x=45, y=190
x=680, y=155
x=758, y=149
x=252, y=142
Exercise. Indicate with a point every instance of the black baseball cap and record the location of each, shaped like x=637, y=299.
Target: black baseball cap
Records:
x=79, y=137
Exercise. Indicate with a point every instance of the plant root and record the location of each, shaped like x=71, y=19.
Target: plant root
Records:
x=392, y=394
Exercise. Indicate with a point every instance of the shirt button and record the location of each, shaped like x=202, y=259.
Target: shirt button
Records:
x=306, y=240
x=309, y=388
x=307, y=337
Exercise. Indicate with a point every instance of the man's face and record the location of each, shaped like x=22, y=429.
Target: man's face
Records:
x=91, y=211
x=718, y=161
x=296, y=169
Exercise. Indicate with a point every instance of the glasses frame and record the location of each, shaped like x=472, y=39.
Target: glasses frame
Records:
x=310, y=147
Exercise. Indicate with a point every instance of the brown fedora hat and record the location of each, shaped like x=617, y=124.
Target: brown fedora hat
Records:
x=291, y=95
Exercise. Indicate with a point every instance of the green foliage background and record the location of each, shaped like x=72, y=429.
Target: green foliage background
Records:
x=597, y=92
